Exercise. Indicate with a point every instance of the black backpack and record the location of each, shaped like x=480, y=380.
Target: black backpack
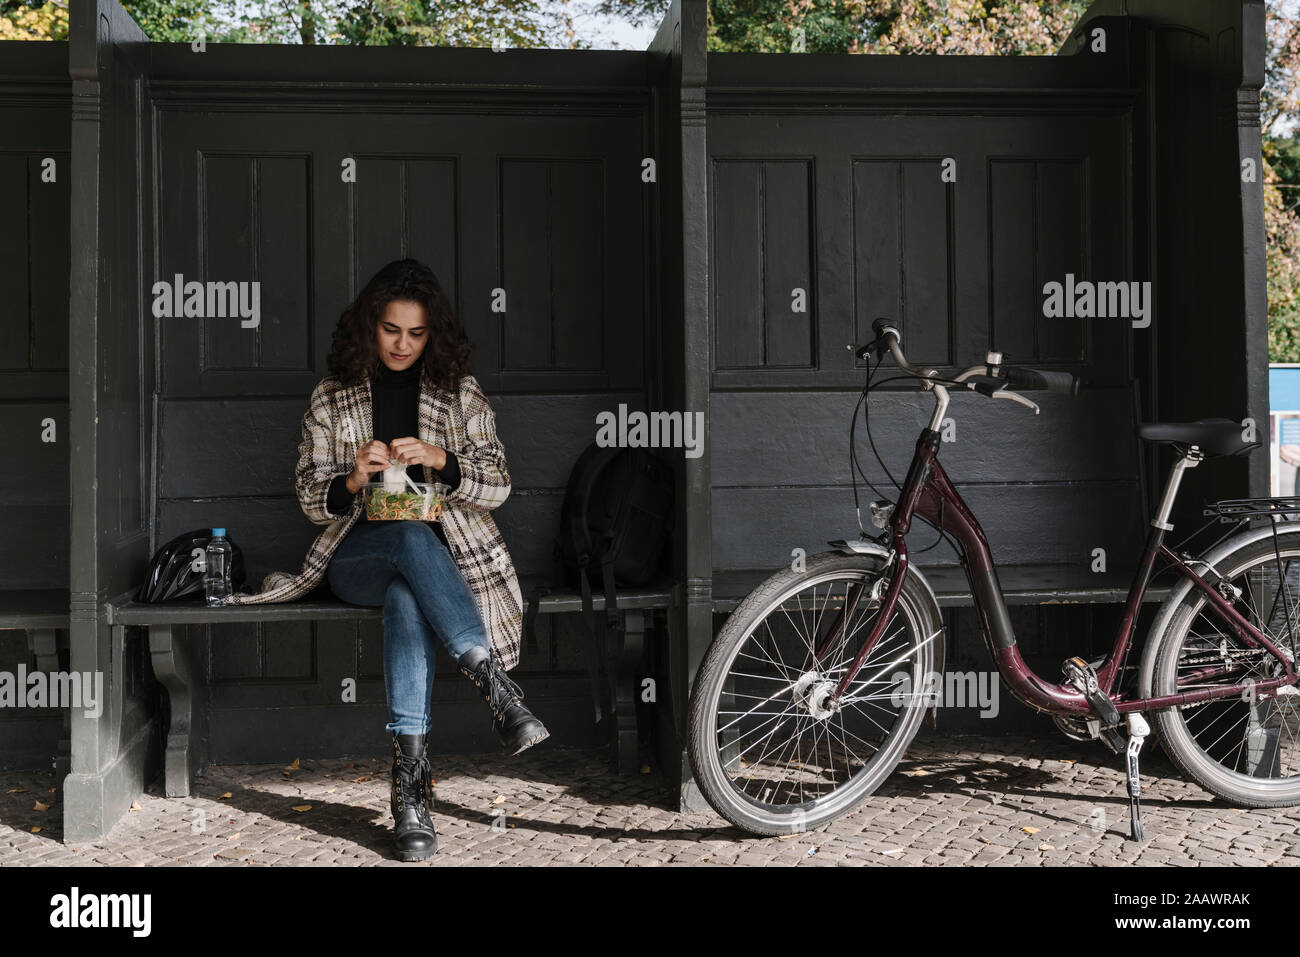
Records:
x=614, y=527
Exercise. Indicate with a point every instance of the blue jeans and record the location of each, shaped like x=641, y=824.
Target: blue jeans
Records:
x=404, y=567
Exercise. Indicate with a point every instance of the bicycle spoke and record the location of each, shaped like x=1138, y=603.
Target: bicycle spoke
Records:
x=779, y=743
x=1247, y=735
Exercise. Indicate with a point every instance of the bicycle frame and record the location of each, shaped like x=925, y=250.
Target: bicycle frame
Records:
x=928, y=492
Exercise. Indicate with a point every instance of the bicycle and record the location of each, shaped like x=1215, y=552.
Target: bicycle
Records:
x=803, y=704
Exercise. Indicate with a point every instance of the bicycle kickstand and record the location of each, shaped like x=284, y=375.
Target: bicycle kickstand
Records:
x=1137, y=732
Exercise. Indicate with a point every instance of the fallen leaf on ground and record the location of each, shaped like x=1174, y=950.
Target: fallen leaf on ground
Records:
x=226, y=795
x=40, y=806
x=1047, y=847
x=36, y=829
x=498, y=799
x=302, y=807
x=919, y=772
x=360, y=780
x=983, y=840
x=16, y=791
x=292, y=767
x=135, y=805
x=788, y=837
x=1030, y=830
x=233, y=837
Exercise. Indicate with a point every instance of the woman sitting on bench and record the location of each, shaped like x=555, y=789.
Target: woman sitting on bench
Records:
x=400, y=392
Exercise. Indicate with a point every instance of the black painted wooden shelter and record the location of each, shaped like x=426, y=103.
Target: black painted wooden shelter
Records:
x=777, y=178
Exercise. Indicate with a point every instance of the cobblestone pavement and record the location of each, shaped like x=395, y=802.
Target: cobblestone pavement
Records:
x=973, y=801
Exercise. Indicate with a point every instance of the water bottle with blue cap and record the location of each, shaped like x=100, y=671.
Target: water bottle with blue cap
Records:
x=216, y=574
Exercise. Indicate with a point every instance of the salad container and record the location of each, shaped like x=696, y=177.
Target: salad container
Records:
x=398, y=499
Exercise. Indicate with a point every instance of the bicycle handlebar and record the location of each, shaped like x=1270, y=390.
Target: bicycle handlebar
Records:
x=888, y=340
x=1031, y=379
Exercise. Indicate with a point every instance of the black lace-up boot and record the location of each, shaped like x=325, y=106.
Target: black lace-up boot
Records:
x=412, y=799
x=514, y=724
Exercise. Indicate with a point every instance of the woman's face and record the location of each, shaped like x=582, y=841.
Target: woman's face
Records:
x=401, y=334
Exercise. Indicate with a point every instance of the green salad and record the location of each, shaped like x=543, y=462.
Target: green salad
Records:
x=395, y=506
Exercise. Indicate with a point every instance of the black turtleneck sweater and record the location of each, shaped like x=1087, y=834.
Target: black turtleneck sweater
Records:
x=395, y=408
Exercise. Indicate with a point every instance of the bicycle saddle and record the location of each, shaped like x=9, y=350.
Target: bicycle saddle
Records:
x=1211, y=436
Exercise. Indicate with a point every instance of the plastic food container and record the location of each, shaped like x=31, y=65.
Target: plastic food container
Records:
x=386, y=502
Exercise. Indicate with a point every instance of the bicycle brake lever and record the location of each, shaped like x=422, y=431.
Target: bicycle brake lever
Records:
x=1017, y=397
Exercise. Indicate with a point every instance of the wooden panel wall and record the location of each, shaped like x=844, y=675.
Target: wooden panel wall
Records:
x=827, y=219
x=35, y=109
x=531, y=198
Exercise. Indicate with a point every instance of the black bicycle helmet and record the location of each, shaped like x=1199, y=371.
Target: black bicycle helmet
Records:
x=172, y=574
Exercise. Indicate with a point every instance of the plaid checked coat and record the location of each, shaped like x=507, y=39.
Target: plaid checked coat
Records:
x=338, y=421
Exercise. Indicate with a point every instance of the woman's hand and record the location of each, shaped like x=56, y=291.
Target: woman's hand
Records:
x=371, y=457
x=414, y=452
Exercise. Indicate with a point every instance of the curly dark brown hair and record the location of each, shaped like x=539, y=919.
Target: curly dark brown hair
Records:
x=353, y=355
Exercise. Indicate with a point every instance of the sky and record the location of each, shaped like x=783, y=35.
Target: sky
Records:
x=608, y=33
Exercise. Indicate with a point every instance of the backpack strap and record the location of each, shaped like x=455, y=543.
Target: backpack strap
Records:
x=582, y=483
x=530, y=617
x=593, y=462
x=536, y=595
x=613, y=622
x=592, y=644
x=612, y=618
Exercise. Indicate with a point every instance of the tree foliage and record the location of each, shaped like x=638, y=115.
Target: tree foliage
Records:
x=975, y=27
x=43, y=20
x=1279, y=108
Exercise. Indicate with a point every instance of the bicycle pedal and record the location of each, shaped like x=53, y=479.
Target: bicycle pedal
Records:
x=1114, y=740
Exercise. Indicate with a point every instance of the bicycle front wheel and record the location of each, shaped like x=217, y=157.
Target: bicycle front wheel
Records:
x=1244, y=748
x=768, y=752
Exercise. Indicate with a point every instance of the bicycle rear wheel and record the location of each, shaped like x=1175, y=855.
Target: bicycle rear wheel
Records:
x=1245, y=748
x=767, y=753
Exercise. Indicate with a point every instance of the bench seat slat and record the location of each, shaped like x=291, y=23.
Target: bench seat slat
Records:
x=1021, y=585
x=125, y=611
x=36, y=608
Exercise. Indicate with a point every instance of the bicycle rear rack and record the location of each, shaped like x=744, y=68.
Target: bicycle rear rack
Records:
x=1231, y=509
x=1237, y=514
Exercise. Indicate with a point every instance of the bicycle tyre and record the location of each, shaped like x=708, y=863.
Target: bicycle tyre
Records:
x=915, y=603
x=1160, y=678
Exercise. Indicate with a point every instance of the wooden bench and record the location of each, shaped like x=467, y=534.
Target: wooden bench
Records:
x=43, y=615
x=181, y=671
x=1021, y=585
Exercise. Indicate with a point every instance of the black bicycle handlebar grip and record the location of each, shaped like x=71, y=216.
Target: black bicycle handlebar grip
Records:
x=1038, y=379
